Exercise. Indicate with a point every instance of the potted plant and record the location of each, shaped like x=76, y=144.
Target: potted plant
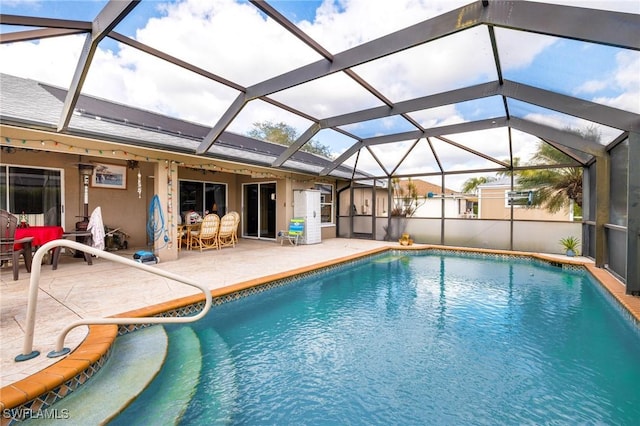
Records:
x=405, y=203
x=571, y=245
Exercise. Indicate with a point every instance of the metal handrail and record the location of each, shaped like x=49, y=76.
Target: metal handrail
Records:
x=29, y=353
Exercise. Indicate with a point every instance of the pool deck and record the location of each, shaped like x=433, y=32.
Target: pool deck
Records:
x=76, y=290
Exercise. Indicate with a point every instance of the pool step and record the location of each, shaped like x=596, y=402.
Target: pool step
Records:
x=218, y=384
x=135, y=361
x=174, y=386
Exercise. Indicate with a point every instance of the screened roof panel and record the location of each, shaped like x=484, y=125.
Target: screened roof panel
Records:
x=560, y=121
x=455, y=61
x=336, y=141
x=80, y=10
x=594, y=72
x=380, y=126
x=155, y=85
x=391, y=154
x=454, y=158
x=365, y=163
x=51, y=60
x=140, y=17
x=476, y=109
x=210, y=38
x=491, y=142
x=338, y=26
x=7, y=29
x=524, y=146
x=258, y=111
x=325, y=97
x=420, y=160
x=379, y=71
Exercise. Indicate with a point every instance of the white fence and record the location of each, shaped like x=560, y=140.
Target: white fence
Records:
x=528, y=235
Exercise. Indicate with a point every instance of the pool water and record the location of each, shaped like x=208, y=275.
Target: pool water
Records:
x=412, y=339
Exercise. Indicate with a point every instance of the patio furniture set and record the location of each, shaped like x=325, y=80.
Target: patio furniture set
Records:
x=212, y=232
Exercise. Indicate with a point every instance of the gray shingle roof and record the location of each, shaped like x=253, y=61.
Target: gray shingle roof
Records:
x=28, y=103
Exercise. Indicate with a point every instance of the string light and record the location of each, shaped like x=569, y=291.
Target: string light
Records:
x=202, y=167
x=170, y=165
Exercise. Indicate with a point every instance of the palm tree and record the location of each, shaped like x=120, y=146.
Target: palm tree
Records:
x=506, y=173
x=470, y=186
x=554, y=188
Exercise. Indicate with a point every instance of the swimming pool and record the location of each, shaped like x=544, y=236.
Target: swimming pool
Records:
x=408, y=339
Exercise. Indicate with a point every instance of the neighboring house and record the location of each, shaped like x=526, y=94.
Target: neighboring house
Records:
x=495, y=200
x=456, y=204
x=135, y=155
x=430, y=196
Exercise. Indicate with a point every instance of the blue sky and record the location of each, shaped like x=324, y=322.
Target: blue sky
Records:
x=234, y=40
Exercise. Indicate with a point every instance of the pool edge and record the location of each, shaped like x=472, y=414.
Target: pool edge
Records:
x=43, y=388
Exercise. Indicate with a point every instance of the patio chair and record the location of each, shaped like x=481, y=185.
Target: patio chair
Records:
x=207, y=236
x=295, y=232
x=227, y=229
x=236, y=215
x=10, y=248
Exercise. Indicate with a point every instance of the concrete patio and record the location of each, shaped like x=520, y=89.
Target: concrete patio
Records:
x=76, y=290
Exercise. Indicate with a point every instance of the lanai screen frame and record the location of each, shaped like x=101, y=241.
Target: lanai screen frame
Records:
x=605, y=27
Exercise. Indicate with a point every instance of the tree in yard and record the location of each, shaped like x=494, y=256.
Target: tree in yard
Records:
x=283, y=134
x=406, y=199
x=470, y=186
x=554, y=188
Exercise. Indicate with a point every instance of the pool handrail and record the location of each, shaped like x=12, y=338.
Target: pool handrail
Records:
x=29, y=353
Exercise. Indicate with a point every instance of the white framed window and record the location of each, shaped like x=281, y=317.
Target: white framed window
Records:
x=518, y=198
x=326, y=202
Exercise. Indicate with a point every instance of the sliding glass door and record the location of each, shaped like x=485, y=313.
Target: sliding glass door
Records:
x=259, y=208
x=35, y=192
x=202, y=198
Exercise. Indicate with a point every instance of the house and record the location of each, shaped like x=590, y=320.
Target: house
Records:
x=131, y=155
x=496, y=198
x=432, y=199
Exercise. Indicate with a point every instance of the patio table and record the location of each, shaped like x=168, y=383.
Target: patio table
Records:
x=40, y=234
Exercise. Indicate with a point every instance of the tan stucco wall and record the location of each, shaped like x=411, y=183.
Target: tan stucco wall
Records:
x=122, y=208
x=492, y=206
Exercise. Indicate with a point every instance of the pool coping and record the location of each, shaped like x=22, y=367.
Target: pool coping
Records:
x=40, y=390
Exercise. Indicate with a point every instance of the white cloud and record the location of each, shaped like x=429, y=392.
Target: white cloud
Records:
x=342, y=24
x=51, y=60
x=626, y=79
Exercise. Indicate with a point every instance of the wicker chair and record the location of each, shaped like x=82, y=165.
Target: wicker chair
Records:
x=235, y=229
x=207, y=236
x=228, y=225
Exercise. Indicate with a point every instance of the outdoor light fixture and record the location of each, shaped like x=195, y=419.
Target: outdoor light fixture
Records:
x=86, y=170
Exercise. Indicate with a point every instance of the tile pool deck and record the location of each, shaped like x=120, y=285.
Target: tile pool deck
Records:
x=77, y=290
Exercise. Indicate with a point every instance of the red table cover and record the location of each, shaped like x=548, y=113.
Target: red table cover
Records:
x=40, y=234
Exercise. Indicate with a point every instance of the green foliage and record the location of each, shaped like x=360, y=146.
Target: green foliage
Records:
x=570, y=243
x=554, y=187
x=284, y=134
x=470, y=186
x=406, y=199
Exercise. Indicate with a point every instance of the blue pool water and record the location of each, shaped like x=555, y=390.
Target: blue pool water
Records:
x=412, y=339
